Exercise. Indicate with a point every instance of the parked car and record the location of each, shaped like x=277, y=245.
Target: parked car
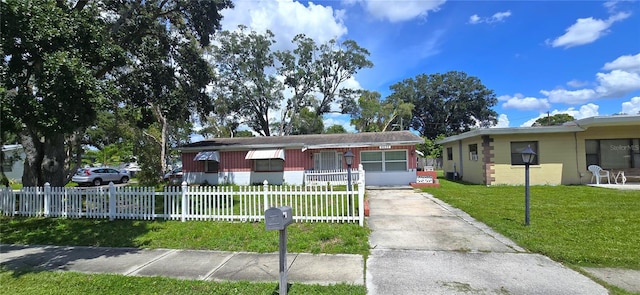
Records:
x=98, y=176
x=173, y=174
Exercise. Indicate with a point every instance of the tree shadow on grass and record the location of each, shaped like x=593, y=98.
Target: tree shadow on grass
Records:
x=79, y=244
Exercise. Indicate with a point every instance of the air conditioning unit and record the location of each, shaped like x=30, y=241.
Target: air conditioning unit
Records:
x=473, y=156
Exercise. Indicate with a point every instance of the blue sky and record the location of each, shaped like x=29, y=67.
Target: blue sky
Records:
x=576, y=57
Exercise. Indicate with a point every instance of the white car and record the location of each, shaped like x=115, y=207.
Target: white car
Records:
x=98, y=176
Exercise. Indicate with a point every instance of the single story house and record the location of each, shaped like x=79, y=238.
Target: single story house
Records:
x=493, y=156
x=388, y=158
x=13, y=161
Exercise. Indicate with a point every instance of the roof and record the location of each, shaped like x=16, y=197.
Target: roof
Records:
x=575, y=126
x=308, y=141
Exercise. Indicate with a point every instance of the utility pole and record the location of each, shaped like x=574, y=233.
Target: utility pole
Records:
x=548, y=119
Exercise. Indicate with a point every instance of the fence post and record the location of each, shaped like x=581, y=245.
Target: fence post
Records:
x=47, y=198
x=361, y=194
x=185, y=201
x=112, y=201
x=265, y=190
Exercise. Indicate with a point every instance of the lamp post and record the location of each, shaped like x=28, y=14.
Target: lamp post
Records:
x=527, y=157
x=348, y=157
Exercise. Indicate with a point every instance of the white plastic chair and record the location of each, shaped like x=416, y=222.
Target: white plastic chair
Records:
x=598, y=173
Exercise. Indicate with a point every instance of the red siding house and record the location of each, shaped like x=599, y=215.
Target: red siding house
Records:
x=388, y=158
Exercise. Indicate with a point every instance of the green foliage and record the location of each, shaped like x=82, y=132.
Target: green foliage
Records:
x=306, y=122
x=151, y=168
x=335, y=129
x=557, y=119
x=245, y=92
x=448, y=104
x=430, y=148
x=373, y=115
x=65, y=61
x=579, y=225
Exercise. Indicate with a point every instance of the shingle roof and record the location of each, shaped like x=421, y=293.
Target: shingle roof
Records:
x=309, y=141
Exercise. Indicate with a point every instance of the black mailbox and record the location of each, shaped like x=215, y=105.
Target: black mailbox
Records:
x=277, y=218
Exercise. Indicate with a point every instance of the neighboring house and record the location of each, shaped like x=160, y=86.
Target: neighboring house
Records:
x=13, y=161
x=388, y=158
x=492, y=156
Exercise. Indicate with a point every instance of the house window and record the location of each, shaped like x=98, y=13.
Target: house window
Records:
x=613, y=153
x=211, y=166
x=516, y=152
x=473, y=152
x=450, y=154
x=268, y=165
x=384, y=160
x=327, y=160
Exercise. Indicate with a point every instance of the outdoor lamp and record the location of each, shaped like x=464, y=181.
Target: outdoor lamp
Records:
x=348, y=156
x=528, y=155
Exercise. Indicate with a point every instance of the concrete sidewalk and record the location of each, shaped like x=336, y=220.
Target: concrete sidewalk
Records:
x=305, y=268
x=423, y=246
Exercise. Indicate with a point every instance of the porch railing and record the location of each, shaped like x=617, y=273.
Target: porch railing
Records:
x=333, y=177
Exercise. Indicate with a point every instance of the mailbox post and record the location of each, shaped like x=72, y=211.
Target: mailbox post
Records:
x=278, y=218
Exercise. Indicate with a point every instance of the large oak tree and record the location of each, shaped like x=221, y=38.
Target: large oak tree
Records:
x=63, y=60
x=448, y=103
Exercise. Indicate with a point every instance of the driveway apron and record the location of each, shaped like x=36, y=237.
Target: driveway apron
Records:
x=421, y=245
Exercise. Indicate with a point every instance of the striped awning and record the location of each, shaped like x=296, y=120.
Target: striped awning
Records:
x=207, y=156
x=265, y=154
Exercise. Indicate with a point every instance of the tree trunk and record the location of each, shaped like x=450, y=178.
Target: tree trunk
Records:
x=53, y=161
x=163, y=135
x=33, y=157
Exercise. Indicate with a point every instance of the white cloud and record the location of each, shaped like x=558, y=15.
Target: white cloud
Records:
x=617, y=83
x=397, y=12
x=286, y=19
x=586, y=30
x=495, y=18
x=628, y=63
x=585, y=111
x=503, y=121
x=631, y=107
x=519, y=102
x=570, y=96
x=474, y=19
x=575, y=83
x=623, y=78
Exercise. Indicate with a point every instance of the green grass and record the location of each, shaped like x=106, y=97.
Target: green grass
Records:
x=203, y=235
x=577, y=225
x=252, y=237
x=74, y=283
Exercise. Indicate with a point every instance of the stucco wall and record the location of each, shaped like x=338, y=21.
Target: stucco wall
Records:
x=561, y=159
x=556, y=158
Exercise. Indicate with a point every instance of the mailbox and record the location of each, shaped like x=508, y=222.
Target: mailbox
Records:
x=277, y=218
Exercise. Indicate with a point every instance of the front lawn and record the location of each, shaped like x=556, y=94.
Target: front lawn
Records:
x=203, y=235
x=579, y=225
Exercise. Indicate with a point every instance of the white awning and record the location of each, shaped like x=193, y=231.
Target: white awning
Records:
x=265, y=154
x=207, y=156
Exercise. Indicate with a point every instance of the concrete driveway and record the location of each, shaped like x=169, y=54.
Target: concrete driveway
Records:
x=421, y=245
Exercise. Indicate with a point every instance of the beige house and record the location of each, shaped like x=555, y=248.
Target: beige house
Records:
x=493, y=156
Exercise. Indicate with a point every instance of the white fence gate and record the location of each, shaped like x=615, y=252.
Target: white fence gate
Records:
x=321, y=203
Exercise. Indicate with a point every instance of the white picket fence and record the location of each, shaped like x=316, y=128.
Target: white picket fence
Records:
x=320, y=203
x=333, y=177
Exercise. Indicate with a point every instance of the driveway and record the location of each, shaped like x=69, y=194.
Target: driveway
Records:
x=420, y=245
